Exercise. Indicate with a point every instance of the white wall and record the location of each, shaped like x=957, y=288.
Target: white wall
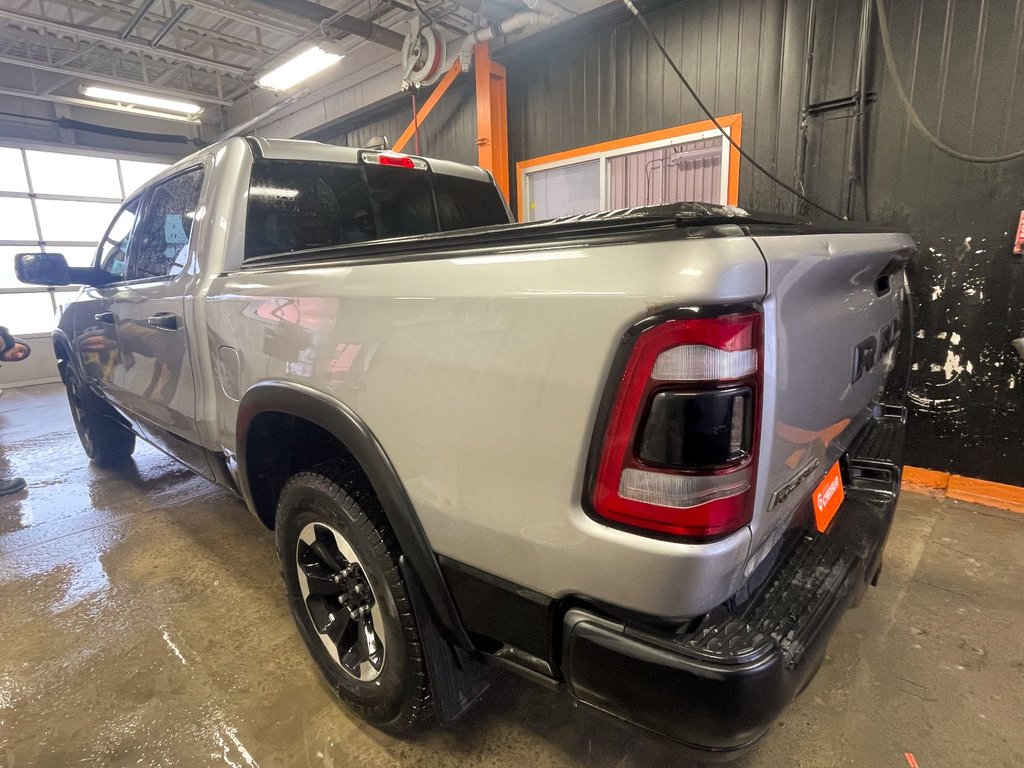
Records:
x=39, y=368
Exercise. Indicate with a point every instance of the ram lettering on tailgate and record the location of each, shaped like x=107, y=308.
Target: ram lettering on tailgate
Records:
x=874, y=348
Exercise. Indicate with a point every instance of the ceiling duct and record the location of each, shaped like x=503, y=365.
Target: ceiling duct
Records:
x=541, y=11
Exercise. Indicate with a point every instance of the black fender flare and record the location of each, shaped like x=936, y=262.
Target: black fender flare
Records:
x=352, y=432
x=60, y=339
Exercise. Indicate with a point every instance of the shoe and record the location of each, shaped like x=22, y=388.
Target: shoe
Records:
x=13, y=485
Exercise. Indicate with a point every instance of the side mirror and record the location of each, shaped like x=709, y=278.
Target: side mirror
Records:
x=53, y=269
x=14, y=349
x=42, y=269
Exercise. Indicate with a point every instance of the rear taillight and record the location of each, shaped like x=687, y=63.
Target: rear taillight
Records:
x=678, y=455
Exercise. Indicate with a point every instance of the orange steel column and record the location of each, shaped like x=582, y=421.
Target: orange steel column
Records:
x=428, y=105
x=491, y=117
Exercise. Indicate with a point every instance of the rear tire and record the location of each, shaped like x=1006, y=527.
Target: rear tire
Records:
x=104, y=441
x=339, y=560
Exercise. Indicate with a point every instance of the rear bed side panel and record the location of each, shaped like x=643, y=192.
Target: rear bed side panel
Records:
x=822, y=303
x=481, y=377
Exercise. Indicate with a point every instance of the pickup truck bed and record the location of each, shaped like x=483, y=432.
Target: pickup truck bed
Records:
x=604, y=451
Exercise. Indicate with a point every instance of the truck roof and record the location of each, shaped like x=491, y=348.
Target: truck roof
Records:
x=315, y=151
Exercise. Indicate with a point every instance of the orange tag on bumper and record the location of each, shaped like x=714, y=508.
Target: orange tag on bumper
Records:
x=827, y=498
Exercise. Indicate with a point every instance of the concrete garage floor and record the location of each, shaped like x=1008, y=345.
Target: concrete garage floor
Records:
x=142, y=622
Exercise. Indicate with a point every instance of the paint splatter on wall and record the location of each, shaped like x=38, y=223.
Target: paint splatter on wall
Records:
x=966, y=413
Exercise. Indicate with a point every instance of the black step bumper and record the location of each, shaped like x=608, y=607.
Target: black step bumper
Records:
x=719, y=689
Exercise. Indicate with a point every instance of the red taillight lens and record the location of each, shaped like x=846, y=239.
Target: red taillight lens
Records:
x=394, y=160
x=679, y=451
x=399, y=161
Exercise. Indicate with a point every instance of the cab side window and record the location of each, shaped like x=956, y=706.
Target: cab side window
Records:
x=113, y=250
x=165, y=228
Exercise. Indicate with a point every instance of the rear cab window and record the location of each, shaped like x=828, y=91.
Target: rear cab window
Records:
x=299, y=205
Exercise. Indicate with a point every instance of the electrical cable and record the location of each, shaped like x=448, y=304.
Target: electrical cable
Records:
x=424, y=14
x=743, y=153
x=415, y=122
x=908, y=106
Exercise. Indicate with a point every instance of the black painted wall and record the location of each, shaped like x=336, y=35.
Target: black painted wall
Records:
x=448, y=132
x=607, y=81
x=964, y=65
x=599, y=78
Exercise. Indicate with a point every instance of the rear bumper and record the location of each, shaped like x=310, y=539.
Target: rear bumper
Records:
x=720, y=689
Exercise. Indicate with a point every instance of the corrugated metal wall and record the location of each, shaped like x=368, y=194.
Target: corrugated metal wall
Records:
x=743, y=56
x=964, y=64
x=449, y=131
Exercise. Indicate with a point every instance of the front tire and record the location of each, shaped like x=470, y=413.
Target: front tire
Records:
x=104, y=441
x=339, y=560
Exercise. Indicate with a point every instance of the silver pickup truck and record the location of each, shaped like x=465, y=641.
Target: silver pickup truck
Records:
x=644, y=455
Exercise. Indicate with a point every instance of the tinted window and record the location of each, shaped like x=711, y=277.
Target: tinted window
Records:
x=165, y=229
x=464, y=203
x=404, y=200
x=295, y=205
x=113, y=250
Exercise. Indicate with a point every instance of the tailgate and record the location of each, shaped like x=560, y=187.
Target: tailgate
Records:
x=832, y=317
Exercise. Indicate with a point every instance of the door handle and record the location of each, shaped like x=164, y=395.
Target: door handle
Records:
x=104, y=317
x=166, y=320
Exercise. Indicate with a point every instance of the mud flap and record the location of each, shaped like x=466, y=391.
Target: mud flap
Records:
x=457, y=678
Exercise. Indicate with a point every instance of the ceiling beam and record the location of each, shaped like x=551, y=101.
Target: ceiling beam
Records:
x=141, y=11
x=169, y=24
x=269, y=24
x=111, y=39
x=353, y=25
x=113, y=80
x=121, y=12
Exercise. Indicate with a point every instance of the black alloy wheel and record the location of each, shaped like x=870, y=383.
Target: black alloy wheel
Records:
x=340, y=601
x=339, y=559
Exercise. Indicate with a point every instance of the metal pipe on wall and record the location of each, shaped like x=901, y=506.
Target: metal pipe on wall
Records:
x=805, y=101
x=856, y=162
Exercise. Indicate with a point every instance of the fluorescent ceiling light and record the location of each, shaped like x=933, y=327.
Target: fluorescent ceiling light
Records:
x=123, y=97
x=302, y=67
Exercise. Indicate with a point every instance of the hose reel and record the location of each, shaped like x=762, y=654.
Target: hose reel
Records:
x=423, y=56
